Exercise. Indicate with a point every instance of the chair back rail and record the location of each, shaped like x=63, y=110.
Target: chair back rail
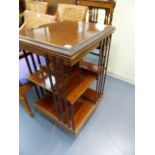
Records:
x=95, y=5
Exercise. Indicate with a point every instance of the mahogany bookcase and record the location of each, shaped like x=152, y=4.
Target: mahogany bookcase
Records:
x=66, y=77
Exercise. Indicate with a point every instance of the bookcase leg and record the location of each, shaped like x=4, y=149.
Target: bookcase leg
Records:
x=72, y=115
x=63, y=92
x=56, y=64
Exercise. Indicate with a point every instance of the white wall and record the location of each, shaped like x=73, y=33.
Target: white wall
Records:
x=121, y=60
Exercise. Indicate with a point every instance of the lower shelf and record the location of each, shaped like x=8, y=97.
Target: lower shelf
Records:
x=82, y=111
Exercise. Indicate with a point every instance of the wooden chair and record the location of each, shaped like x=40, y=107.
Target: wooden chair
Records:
x=23, y=88
x=36, y=6
x=31, y=5
x=24, y=84
x=70, y=12
x=94, y=6
x=33, y=19
x=28, y=62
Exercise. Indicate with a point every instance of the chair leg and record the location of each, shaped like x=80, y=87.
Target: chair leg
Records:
x=26, y=105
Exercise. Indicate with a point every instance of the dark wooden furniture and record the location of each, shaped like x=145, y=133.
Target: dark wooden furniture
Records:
x=69, y=100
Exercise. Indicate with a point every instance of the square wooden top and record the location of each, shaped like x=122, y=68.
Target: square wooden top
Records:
x=64, y=39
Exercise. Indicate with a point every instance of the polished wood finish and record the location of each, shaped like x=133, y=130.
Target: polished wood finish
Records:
x=68, y=12
x=69, y=100
x=51, y=39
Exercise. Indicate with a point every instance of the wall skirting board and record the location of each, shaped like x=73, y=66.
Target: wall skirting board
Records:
x=122, y=54
x=121, y=78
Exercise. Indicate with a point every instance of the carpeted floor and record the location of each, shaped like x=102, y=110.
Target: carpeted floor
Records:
x=110, y=130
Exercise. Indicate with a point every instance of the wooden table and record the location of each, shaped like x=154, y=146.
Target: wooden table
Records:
x=69, y=100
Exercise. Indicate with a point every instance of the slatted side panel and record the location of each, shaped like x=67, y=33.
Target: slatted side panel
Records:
x=102, y=66
x=64, y=110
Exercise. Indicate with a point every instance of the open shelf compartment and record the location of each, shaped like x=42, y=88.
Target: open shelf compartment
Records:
x=76, y=84
x=82, y=110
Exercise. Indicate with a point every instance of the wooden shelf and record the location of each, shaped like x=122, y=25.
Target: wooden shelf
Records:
x=82, y=110
x=87, y=65
x=76, y=85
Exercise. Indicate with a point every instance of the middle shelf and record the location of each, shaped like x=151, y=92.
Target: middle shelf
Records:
x=76, y=84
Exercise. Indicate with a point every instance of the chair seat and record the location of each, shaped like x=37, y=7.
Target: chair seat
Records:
x=23, y=68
